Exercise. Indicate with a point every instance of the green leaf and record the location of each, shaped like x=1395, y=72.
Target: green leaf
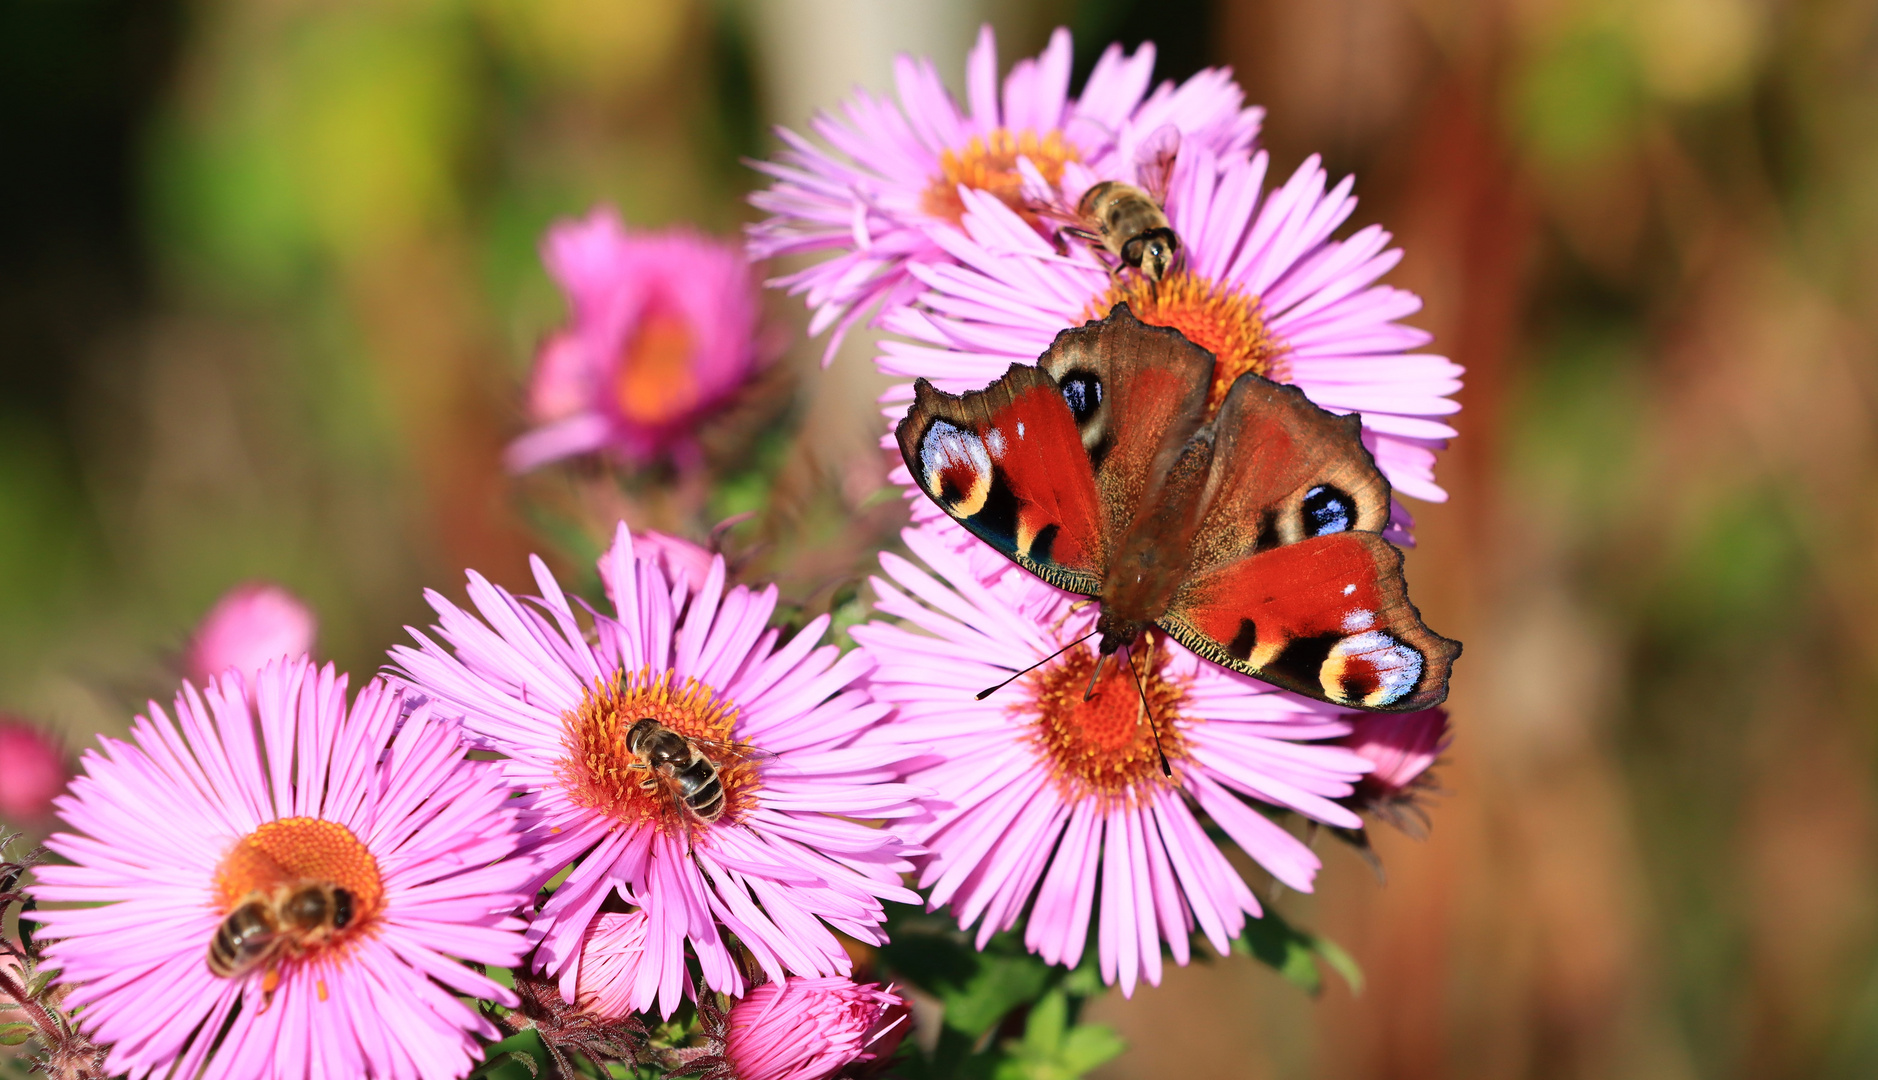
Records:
x=15, y=1034
x=977, y=988
x=1051, y=1049
x=1340, y=962
x=1294, y=953
x=1043, y=1031
x=1090, y=1045
x=511, y=1058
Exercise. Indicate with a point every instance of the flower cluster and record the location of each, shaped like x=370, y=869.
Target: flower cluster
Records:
x=680, y=810
x=766, y=847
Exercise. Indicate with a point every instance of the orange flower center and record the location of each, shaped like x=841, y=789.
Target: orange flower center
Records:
x=990, y=164
x=603, y=772
x=1222, y=319
x=300, y=849
x=1105, y=746
x=655, y=382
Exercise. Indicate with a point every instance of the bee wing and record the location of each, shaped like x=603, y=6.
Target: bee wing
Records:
x=724, y=753
x=1154, y=161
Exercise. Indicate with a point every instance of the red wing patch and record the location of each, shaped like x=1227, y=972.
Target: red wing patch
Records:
x=1327, y=617
x=1008, y=463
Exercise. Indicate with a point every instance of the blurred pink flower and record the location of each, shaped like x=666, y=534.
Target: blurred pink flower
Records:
x=663, y=331
x=250, y=625
x=1401, y=748
x=808, y=1029
x=783, y=860
x=33, y=770
x=251, y=789
x=894, y=177
x=1054, y=809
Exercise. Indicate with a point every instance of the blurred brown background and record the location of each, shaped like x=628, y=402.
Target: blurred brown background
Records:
x=268, y=287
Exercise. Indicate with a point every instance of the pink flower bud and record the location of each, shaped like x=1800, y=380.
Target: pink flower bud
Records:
x=807, y=1029
x=611, y=979
x=33, y=770
x=250, y=625
x=674, y=556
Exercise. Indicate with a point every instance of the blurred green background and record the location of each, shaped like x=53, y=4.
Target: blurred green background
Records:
x=268, y=288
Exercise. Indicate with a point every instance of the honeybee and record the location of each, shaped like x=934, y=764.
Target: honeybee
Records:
x=1128, y=221
x=1131, y=224
x=676, y=764
x=287, y=919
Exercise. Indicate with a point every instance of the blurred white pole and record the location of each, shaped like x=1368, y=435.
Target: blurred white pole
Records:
x=810, y=54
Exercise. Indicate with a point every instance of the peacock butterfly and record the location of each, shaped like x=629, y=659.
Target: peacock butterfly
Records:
x=1253, y=538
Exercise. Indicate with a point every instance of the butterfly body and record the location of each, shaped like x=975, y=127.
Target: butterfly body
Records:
x=1252, y=537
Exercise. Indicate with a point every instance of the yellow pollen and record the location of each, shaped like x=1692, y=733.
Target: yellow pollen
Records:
x=1221, y=319
x=655, y=382
x=599, y=770
x=1104, y=747
x=301, y=849
x=320, y=986
x=990, y=164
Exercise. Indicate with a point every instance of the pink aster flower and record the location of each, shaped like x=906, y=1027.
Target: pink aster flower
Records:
x=250, y=625
x=1263, y=287
x=803, y=1029
x=664, y=332
x=248, y=799
x=1040, y=795
x=1400, y=748
x=893, y=177
x=33, y=770
x=776, y=856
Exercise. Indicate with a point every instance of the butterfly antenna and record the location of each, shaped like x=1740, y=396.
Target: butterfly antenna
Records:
x=1153, y=728
x=990, y=690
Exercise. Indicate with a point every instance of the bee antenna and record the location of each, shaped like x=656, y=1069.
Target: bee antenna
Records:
x=990, y=690
x=1153, y=729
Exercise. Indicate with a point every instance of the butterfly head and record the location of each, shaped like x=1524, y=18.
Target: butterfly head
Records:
x=1117, y=632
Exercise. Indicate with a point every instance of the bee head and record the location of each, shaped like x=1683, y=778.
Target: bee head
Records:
x=1159, y=248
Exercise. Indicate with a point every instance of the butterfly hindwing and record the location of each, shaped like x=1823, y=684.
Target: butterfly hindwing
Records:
x=1008, y=463
x=1284, y=470
x=1328, y=617
x=1137, y=393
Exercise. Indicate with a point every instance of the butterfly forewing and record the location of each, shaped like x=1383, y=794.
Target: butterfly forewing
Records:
x=1008, y=463
x=1137, y=394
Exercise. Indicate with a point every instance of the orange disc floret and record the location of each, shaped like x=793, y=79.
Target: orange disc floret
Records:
x=299, y=849
x=989, y=163
x=601, y=770
x=657, y=383
x=1104, y=746
x=1222, y=319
